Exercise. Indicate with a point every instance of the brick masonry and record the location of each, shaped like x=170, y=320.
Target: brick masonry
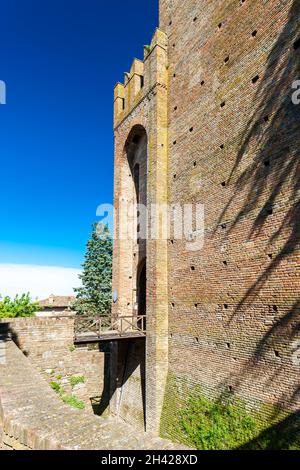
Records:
x=129, y=397
x=32, y=417
x=227, y=317
x=49, y=344
x=142, y=111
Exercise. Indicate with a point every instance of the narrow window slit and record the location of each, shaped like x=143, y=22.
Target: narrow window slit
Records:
x=296, y=44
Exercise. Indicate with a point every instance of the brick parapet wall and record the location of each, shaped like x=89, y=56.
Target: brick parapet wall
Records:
x=33, y=417
x=49, y=344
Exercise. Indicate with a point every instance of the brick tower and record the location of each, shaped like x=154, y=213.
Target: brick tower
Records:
x=207, y=117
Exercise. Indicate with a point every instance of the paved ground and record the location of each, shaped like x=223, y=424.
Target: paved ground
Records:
x=35, y=417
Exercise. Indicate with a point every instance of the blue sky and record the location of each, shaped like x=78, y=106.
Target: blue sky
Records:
x=60, y=60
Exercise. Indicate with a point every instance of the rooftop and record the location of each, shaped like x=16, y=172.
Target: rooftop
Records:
x=57, y=301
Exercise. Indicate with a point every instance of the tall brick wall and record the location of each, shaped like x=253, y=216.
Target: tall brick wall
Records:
x=140, y=107
x=234, y=147
x=226, y=319
x=49, y=344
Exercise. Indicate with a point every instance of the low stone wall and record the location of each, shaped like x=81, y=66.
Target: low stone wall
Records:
x=10, y=443
x=33, y=417
x=49, y=344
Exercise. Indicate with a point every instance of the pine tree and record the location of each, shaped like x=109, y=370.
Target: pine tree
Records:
x=94, y=297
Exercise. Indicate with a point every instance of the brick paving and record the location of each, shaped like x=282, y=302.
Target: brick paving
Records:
x=34, y=417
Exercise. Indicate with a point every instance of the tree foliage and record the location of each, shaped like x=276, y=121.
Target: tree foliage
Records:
x=94, y=297
x=20, y=306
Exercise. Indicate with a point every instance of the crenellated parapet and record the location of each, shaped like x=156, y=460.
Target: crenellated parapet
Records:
x=144, y=75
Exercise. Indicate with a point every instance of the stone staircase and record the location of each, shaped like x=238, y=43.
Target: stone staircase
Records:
x=32, y=416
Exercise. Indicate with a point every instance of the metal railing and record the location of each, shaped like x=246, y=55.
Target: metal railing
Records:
x=119, y=325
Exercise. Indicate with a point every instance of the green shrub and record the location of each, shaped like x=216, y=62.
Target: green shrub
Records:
x=212, y=425
x=20, y=306
x=75, y=380
x=68, y=399
x=190, y=418
x=72, y=401
x=55, y=386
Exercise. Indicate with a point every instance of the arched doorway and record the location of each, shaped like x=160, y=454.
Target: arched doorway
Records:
x=131, y=360
x=136, y=160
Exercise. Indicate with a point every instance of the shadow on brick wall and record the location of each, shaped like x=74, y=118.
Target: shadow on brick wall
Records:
x=283, y=435
x=272, y=136
x=130, y=366
x=7, y=332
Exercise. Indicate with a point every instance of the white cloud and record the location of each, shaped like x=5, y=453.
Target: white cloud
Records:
x=39, y=281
